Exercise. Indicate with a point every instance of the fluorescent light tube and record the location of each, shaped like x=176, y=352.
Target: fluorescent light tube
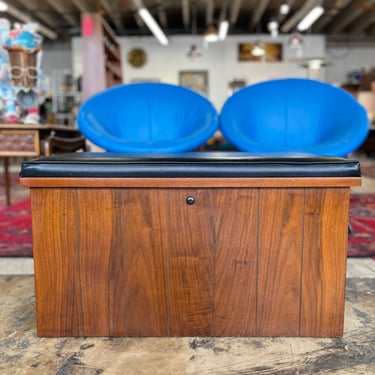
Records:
x=153, y=25
x=223, y=29
x=310, y=18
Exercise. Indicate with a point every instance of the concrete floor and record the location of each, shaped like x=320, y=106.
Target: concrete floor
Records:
x=22, y=352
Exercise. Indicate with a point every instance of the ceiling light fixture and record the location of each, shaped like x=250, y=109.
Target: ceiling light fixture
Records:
x=295, y=40
x=284, y=8
x=153, y=25
x=315, y=63
x=223, y=29
x=310, y=18
x=211, y=35
x=3, y=6
x=273, y=28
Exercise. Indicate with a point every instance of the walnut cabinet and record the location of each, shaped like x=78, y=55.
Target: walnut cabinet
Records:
x=190, y=256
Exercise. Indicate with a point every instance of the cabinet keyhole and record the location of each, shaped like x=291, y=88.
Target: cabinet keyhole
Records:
x=190, y=200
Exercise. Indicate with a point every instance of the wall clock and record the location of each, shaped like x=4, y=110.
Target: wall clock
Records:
x=137, y=57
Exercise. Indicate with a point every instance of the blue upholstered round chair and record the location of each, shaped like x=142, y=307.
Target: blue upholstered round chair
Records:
x=294, y=115
x=148, y=117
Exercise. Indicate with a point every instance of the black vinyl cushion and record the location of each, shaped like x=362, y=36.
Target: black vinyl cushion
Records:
x=191, y=164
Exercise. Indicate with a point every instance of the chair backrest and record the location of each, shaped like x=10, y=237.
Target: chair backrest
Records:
x=294, y=115
x=148, y=117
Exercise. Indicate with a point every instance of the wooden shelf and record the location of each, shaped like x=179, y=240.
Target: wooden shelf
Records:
x=101, y=55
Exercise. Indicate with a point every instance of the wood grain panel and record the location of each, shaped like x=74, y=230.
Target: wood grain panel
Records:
x=324, y=262
x=235, y=218
x=279, y=261
x=146, y=249
x=101, y=262
x=191, y=268
x=57, y=283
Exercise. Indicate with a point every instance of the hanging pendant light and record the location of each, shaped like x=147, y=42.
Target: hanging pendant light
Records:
x=295, y=40
x=211, y=35
x=284, y=8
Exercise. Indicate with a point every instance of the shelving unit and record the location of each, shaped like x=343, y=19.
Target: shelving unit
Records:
x=65, y=98
x=101, y=55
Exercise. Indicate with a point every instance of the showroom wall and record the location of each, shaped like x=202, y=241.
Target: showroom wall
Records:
x=219, y=60
x=346, y=59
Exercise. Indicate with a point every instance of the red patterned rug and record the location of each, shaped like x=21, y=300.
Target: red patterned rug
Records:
x=15, y=220
x=15, y=228
x=362, y=220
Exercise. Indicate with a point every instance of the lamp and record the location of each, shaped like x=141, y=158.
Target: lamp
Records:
x=314, y=66
x=315, y=63
x=153, y=25
x=295, y=40
x=211, y=35
x=310, y=18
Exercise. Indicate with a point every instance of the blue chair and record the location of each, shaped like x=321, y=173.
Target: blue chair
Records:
x=148, y=117
x=294, y=116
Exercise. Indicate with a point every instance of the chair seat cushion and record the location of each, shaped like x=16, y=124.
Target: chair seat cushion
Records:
x=191, y=164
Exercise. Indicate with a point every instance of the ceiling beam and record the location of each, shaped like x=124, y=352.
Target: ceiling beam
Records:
x=363, y=22
x=25, y=18
x=224, y=10
x=60, y=7
x=83, y=6
x=371, y=31
x=139, y=22
x=234, y=11
x=185, y=7
x=292, y=22
x=162, y=14
x=327, y=17
x=114, y=14
x=258, y=13
x=106, y=6
x=281, y=17
x=347, y=16
x=210, y=7
x=42, y=16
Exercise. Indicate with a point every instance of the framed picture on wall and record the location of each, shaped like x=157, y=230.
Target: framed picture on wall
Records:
x=252, y=52
x=194, y=79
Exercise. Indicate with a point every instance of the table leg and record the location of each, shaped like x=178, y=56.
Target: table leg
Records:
x=7, y=180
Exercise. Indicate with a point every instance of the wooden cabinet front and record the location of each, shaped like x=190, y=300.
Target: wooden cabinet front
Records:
x=190, y=261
